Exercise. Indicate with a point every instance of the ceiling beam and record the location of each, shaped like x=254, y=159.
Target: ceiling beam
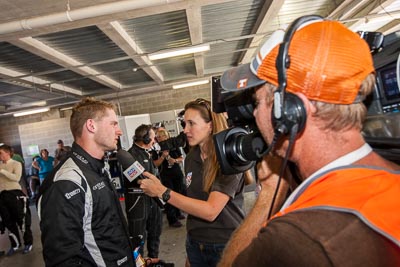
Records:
x=104, y=19
x=391, y=27
x=267, y=13
x=33, y=81
x=370, y=9
x=16, y=92
x=120, y=37
x=40, y=49
x=348, y=8
x=193, y=15
x=67, y=14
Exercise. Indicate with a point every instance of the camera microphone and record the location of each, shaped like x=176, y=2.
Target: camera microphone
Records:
x=133, y=170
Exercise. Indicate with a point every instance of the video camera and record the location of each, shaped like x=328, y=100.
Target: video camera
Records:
x=173, y=143
x=381, y=127
x=238, y=147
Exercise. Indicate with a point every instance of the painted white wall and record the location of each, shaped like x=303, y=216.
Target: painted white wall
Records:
x=168, y=119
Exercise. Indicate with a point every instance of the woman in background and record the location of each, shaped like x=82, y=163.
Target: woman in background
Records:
x=44, y=164
x=34, y=181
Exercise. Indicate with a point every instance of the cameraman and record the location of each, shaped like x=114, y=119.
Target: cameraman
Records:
x=171, y=176
x=345, y=213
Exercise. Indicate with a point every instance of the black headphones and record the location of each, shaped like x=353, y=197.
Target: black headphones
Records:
x=144, y=138
x=288, y=113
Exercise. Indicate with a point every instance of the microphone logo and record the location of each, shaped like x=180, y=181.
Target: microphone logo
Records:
x=134, y=171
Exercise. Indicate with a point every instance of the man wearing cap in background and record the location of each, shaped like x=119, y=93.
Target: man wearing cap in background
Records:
x=346, y=210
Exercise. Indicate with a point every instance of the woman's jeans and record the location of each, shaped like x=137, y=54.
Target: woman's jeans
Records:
x=201, y=254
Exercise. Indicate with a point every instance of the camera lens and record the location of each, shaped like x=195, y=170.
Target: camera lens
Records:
x=237, y=149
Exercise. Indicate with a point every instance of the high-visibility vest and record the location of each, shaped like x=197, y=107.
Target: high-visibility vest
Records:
x=371, y=194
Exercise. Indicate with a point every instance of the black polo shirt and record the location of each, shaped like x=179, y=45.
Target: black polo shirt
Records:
x=220, y=230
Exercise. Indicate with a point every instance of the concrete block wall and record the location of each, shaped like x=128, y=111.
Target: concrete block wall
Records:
x=162, y=101
x=44, y=134
x=9, y=133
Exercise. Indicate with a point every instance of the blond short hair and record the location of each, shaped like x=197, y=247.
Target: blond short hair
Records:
x=87, y=108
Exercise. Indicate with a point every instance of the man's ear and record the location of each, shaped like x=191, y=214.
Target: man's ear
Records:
x=90, y=125
x=308, y=105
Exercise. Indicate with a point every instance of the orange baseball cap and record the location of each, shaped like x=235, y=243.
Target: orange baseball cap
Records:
x=328, y=63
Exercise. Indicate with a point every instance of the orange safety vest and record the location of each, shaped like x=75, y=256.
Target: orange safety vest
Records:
x=371, y=194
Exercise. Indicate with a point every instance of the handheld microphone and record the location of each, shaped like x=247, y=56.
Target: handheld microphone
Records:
x=133, y=169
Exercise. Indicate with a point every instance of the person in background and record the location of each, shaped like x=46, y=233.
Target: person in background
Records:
x=181, y=119
x=61, y=152
x=346, y=210
x=157, y=155
x=171, y=176
x=81, y=219
x=14, y=204
x=34, y=181
x=214, y=202
x=44, y=164
x=143, y=213
x=23, y=181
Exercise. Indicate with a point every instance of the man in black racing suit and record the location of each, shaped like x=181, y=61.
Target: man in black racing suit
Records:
x=81, y=219
x=143, y=213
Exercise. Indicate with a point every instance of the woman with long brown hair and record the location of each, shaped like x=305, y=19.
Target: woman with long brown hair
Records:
x=214, y=201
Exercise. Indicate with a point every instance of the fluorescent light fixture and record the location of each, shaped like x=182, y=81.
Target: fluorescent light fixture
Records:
x=179, y=52
x=188, y=84
x=17, y=105
x=38, y=103
x=64, y=109
x=29, y=112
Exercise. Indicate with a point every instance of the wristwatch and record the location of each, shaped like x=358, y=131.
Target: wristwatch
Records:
x=166, y=195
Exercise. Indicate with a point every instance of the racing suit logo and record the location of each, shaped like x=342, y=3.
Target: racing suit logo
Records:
x=72, y=193
x=121, y=261
x=99, y=186
x=81, y=158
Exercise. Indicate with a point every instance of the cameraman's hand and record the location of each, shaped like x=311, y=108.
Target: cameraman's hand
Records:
x=268, y=173
x=165, y=153
x=171, y=161
x=268, y=170
x=270, y=164
x=152, y=186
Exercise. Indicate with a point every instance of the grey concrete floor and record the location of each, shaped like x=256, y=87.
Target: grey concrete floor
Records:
x=172, y=247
